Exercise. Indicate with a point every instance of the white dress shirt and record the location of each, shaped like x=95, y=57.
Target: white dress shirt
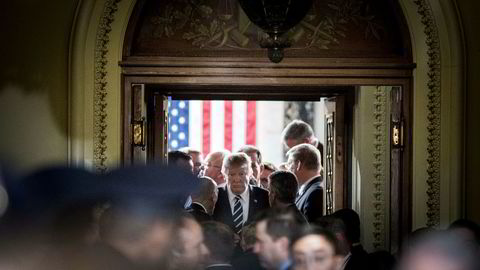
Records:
x=244, y=200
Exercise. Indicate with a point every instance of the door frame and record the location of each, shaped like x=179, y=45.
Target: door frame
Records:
x=240, y=78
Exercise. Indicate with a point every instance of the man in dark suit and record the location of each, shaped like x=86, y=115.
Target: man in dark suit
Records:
x=238, y=202
x=283, y=187
x=304, y=162
x=298, y=132
x=338, y=228
x=359, y=258
x=203, y=200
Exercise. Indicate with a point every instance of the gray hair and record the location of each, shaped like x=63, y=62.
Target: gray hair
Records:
x=189, y=150
x=307, y=154
x=297, y=130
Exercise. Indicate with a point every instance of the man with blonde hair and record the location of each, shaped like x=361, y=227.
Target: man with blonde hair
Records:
x=238, y=202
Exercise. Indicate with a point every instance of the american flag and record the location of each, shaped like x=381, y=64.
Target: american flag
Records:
x=212, y=125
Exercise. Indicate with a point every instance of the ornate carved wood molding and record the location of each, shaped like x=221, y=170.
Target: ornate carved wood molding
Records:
x=379, y=157
x=100, y=90
x=434, y=110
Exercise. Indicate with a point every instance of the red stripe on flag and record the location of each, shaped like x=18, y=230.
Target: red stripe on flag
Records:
x=251, y=122
x=228, y=125
x=206, y=127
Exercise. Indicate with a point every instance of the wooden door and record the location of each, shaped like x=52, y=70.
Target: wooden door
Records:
x=334, y=156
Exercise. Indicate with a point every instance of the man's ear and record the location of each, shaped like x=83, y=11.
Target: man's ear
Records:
x=262, y=167
x=298, y=166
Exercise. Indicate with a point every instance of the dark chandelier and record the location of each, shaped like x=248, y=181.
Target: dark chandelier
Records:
x=275, y=17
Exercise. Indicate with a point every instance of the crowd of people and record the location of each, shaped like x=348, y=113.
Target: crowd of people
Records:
x=227, y=211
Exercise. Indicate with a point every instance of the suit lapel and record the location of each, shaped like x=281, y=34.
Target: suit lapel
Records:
x=225, y=204
x=252, y=205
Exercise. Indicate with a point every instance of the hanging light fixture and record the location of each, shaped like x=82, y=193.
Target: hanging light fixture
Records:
x=275, y=17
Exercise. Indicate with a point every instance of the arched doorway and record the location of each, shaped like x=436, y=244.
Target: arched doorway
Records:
x=96, y=105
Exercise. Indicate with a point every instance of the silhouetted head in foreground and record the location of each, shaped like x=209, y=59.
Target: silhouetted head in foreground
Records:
x=439, y=251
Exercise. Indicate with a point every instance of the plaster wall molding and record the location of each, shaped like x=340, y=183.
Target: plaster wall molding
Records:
x=379, y=167
x=434, y=112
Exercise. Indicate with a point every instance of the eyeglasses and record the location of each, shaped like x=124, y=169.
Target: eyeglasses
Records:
x=206, y=165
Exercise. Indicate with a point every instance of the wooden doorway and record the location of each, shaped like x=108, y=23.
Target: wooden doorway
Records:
x=181, y=58
x=150, y=120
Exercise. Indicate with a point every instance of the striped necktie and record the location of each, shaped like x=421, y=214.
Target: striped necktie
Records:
x=237, y=214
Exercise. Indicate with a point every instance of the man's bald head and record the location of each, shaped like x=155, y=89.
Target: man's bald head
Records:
x=206, y=193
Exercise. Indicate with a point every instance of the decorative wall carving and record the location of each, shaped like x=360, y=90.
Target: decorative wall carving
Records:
x=220, y=28
x=379, y=167
x=434, y=110
x=100, y=88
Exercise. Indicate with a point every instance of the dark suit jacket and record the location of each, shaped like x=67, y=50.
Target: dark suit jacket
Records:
x=258, y=201
x=359, y=259
x=198, y=212
x=247, y=260
x=297, y=213
x=310, y=203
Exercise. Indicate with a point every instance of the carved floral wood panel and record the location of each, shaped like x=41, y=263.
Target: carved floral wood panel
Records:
x=332, y=28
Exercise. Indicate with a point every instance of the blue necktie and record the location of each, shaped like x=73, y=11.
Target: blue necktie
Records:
x=237, y=214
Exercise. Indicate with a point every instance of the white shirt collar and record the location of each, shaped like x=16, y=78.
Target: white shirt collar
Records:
x=243, y=196
x=302, y=187
x=197, y=203
x=245, y=200
x=345, y=261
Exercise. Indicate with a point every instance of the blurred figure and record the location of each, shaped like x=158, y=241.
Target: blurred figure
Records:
x=352, y=224
x=298, y=132
x=314, y=249
x=274, y=233
x=181, y=160
x=439, y=251
x=143, y=237
x=219, y=239
x=247, y=259
x=268, y=168
x=197, y=158
x=190, y=252
x=204, y=200
x=283, y=167
x=256, y=163
x=304, y=162
x=283, y=188
x=380, y=260
x=468, y=232
x=238, y=202
x=212, y=167
x=53, y=220
x=338, y=228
